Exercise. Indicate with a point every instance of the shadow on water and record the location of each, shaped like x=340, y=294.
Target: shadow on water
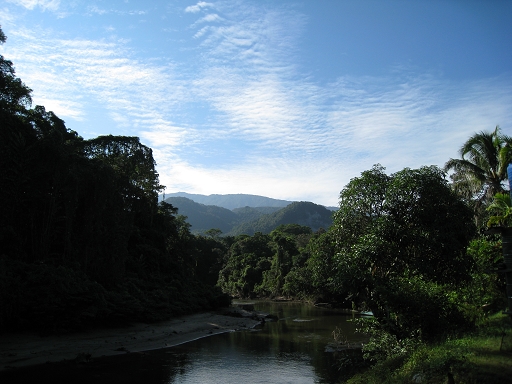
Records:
x=290, y=350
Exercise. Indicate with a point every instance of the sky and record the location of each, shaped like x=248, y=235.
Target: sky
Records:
x=287, y=99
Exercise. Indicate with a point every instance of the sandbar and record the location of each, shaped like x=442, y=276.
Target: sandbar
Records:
x=26, y=349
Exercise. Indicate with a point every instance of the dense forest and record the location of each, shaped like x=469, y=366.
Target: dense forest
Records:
x=84, y=240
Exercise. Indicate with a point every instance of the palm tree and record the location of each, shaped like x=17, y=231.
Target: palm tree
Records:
x=481, y=171
x=501, y=208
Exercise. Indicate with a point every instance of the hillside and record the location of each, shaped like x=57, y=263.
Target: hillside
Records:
x=204, y=217
x=303, y=213
x=247, y=214
x=232, y=201
x=249, y=220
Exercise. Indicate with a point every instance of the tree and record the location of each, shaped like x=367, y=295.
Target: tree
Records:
x=283, y=245
x=14, y=95
x=213, y=233
x=401, y=237
x=246, y=261
x=501, y=208
x=319, y=267
x=480, y=172
x=132, y=160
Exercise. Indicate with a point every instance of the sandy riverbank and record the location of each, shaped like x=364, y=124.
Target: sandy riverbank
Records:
x=21, y=350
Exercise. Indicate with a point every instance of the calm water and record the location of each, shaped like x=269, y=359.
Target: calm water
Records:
x=290, y=350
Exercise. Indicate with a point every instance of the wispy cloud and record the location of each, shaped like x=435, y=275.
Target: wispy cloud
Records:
x=51, y=5
x=196, y=8
x=95, y=73
x=94, y=9
x=239, y=116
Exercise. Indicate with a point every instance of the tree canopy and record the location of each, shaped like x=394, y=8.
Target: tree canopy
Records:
x=480, y=172
x=397, y=233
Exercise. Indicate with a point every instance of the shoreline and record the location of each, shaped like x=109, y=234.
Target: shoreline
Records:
x=26, y=349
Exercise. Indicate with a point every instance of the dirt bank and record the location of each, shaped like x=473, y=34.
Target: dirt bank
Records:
x=19, y=350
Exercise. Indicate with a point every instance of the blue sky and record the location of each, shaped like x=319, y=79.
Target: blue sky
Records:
x=287, y=99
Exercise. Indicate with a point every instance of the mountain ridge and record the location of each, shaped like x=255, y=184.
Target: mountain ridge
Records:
x=249, y=220
x=232, y=201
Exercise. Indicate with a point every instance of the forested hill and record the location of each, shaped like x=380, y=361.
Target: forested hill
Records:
x=303, y=213
x=204, y=217
x=232, y=201
x=249, y=220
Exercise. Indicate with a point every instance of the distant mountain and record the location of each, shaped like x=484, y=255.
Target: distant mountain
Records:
x=249, y=220
x=204, y=217
x=303, y=213
x=232, y=201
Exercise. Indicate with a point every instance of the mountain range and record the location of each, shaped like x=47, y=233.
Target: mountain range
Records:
x=232, y=201
x=246, y=214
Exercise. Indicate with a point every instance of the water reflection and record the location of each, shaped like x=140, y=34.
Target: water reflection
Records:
x=291, y=350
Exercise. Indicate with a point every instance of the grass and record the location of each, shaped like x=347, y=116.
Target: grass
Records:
x=484, y=356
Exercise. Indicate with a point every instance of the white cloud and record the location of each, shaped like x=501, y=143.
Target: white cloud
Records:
x=90, y=73
x=96, y=10
x=51, y=5
x=201, y=32
x=62, y=107
x=196, y=8
x=6, y=16
x=211, y=17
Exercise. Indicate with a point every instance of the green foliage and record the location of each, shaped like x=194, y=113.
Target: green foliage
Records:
x=247, y=259
x=434, y=363
x=400, y=250
x=268, y=265
x=383, y=345
x=297, y=283
x=207, y=257
x=321, y=266
x=480, y=172
x=481, y=356
x=273, y=279
x=293, y=229
x=485, y=290
x=501, y=211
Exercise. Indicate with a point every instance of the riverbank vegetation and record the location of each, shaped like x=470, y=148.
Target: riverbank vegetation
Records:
x=84, y=242
x=480, y=356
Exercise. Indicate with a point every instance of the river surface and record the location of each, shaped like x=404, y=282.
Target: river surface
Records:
x=293, y=349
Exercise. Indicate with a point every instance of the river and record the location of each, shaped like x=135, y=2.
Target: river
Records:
x=293, y=349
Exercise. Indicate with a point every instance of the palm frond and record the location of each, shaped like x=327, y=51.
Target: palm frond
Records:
x=501, y=208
